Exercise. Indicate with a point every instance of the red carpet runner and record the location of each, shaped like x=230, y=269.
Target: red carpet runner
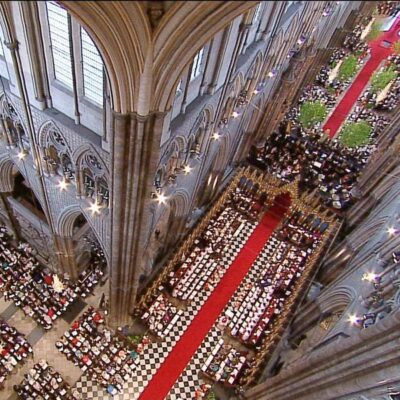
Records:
x=378, y=54
x=175, y=363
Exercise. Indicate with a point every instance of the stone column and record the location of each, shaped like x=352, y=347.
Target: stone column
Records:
x=218, y=53
x=204, y=82
x=135, y=144
x=13, y=224
x=186, y=89
x=245, y=29
x=34, y=41
x=65, y=250
x=382, y=162
x=277, y=106
x=305, y=318
x=336, y=260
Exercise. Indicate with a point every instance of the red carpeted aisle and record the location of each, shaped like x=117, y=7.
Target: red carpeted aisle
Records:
x=175, y=363
x=378, y=54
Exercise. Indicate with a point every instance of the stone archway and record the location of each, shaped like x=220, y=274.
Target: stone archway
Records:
x=6, y=174
x=76, y=239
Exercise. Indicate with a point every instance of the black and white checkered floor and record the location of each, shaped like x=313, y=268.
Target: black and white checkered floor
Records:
x=155, y=353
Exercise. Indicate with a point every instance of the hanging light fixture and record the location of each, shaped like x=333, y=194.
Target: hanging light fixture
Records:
x=63, y=184
x=272, y=73
x=95, y=208
x=22, y=154
x=216, y=136
x=353, y=319
x=161, y=198
x=369, y=276
x=327, y=12
x=187, y=169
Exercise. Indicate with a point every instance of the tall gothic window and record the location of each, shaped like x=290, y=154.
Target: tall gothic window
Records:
x=66, y=36
x=92, y=66
x=196, y=67
x=60, y=43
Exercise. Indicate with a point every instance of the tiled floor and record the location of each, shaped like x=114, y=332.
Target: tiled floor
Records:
x=156, y=352
x=150, y=360
x=43, y=343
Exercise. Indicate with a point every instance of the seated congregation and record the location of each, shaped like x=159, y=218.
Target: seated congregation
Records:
x=206, y=260
x=95, y=348
x=39, y=292
x=258, y=306
x=327, y=167
x=43, y=382
x=254, y=311
x=14, y=350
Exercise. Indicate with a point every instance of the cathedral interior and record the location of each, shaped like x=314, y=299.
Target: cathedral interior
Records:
x=200, y=200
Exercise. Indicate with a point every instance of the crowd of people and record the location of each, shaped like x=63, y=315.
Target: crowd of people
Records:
x=317, y=93
x=353, y=41
x=43, y=382
x=261, y=297
x=326, y=167
x=14, y=350
x=225, y=364
x=89, y=278
x=328, y=76
x=201, y=268
x=202, y=391
x=93, y=347
x=377, y=122
x=161, y=316
x=256, y=304
x=40, y=293
x=390, y=8
x=35, y=289
x=330, y=168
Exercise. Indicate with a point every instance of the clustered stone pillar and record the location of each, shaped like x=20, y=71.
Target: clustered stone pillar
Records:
x=12, y=222
x=135, y=145
x=65, y=250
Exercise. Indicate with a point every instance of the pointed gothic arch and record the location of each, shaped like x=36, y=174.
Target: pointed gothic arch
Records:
x=13, y=124
x=92, y=177
x=337, y=300
x=65, y=225
x=55, y=151
x=6, y=173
